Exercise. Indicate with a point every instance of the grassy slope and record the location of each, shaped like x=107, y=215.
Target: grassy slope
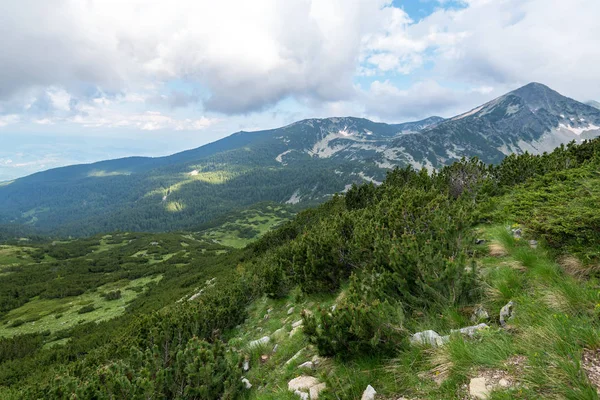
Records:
x=243, y=227
x=39, y=315
x=539, y=354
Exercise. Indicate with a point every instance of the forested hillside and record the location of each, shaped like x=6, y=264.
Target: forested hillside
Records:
x=477, y=281
x=304, y=163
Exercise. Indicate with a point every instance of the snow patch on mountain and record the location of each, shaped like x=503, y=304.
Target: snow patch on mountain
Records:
x=345, y=132
x=579, y=130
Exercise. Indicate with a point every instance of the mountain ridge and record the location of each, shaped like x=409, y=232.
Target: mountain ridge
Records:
x=304, y=162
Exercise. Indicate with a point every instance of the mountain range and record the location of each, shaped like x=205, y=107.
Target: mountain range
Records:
x=302, y=163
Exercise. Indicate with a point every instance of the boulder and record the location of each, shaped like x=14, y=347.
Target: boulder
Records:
x=303, y=382
x=295, y=330
x=429, y=337
x=306, y=387
x=290, y=311
x=480, y=314
x=246, y=383
x=470, y=330
x=307, y=365
x=279, y=333
x=259, y=342
x=302, y=395
x=478, y=388
x=316, y=390
x=297, y=324
x=369, y=393
x=506, y=313
x=533, y=244
x=294, y=357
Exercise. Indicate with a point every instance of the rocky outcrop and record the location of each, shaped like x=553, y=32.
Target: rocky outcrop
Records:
x=369, y=393
x=478, y=388
x=306, y=387
x=428, y=337
x=259, y=342
x=506, y=313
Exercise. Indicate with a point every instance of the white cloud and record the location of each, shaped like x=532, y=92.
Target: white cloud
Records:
x=104, y=63
x=147, y=121
x=248, y=55
x=512, y=42
x=422, y=99
x=8, y=119
x=60, y=98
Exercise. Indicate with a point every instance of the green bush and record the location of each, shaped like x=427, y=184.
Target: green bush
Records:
x=86, y=309
x=17, y=322
x=365, y=321
x=114, y=295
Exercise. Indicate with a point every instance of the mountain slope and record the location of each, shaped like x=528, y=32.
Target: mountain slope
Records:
x=305, y=162
x=533, y=118
x=594, y=104
x=402, y=289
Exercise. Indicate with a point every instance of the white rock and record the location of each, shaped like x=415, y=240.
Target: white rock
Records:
x=290, y=311
x=307, y=365
x=297, y=324
x=427, y=337
x=259, y=342
x=294, y=357
x=506, y=313
x=295, y=330
x=369, y=393
x=470, y=330
x=480, y=314
x=279, y=333
x=316, y=390
x=246, y=383
x=503, y=383
x=303, y=395
x=303, y=382
x=478, y=389
x=246, y=366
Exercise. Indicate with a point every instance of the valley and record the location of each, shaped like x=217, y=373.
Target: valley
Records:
x=319, y=260
x=340, y=295
x=304, y=163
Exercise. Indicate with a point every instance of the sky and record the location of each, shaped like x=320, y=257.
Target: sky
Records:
x=86, y=80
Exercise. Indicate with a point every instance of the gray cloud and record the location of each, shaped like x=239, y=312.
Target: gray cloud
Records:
x=248, y=55
x=421, y=100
